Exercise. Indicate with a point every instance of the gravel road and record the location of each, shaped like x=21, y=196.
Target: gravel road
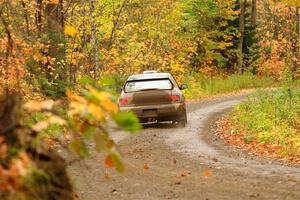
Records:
x=165, y=162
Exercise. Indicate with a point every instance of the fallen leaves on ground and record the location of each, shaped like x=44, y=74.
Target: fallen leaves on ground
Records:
x=224, y=131
x=146, y=167
x=176, y=180
x=185, y=174
x=207, y=173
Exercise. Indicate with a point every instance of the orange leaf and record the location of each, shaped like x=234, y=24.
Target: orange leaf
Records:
x=3, y=151
x=2, y=139
x=4, y=187
x=146, y=167
x=25, y=159
x=109, y=163
x=53, y=1
x=207, y=173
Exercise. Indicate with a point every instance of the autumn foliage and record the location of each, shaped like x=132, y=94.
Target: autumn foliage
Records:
x=57, y=55
x=47, y=46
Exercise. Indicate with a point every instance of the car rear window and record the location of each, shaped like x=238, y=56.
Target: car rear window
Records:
x=141, y=85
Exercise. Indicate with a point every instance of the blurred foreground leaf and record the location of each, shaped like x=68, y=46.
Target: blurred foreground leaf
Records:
x=127, y=121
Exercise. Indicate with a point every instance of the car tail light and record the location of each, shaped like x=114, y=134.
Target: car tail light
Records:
x=123, y=101
x=174, y=97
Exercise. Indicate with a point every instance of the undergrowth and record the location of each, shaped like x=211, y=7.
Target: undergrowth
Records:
x=200, y=85
x=271, y=117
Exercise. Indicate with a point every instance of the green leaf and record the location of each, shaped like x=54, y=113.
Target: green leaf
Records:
x=117, y=161
x=127, y=121
x=101, y=141
x=86, y=80
x=79, y=148
x=88, y=131
x=107, y=81
x=248, y=139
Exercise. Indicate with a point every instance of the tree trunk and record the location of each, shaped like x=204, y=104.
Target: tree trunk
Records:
x=297, y=53
x=43, y=158
x=38, y=16
x=242, y=33
x=10, y=42
x=54, y=18
x=94, y=40
x=55, y=32
x=298, y=24
x=253, y=13
x=61, y=15
x=115, y=24
x=25, y=14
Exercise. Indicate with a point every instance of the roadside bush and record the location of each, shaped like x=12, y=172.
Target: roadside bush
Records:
x=201, y=85
x=54, y=89
x=271, y=117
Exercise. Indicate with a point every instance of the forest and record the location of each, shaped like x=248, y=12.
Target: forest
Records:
x=60, y=58
x=48, y=45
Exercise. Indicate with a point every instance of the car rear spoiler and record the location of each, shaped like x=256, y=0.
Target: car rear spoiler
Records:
x=147, y=79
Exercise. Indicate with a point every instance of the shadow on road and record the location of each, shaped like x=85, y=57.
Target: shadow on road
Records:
x=163, y=125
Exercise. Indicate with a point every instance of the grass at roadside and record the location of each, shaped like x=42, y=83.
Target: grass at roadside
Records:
x=268, y=123
x=203, y=86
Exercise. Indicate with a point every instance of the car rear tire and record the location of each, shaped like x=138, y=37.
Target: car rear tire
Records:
x=182, y=121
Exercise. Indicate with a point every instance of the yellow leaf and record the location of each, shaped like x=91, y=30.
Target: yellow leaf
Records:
x=104, y=99
x=96, y=111
x=76, y=108
x=74, y=97
x=70, y=30
x=109, y=106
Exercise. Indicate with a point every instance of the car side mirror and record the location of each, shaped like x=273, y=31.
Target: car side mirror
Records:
x=183, y=87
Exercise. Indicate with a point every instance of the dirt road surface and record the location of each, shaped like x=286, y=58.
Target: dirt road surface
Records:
x=165, y=162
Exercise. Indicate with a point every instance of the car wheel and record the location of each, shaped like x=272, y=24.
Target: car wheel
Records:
x=182, y=121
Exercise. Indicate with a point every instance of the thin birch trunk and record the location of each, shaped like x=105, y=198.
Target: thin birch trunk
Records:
x=242, y=33
x=94, y=40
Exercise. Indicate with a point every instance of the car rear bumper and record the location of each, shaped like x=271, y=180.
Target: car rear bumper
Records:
x=163, y=110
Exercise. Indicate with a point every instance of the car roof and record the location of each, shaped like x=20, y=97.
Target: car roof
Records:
x=149, y=76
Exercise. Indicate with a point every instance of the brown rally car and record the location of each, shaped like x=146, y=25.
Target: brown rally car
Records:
x=154, y=97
